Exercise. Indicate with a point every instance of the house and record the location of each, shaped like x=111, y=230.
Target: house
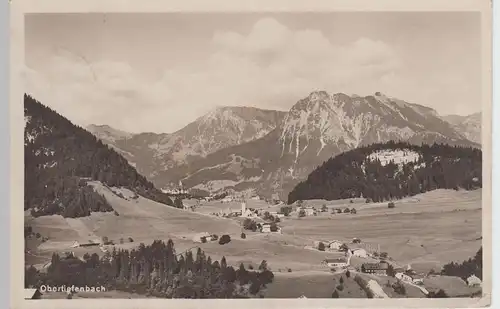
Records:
x=336, y=263
x=375, y=268
x=409, y=276
x=334, y=245
x=266, y=228
x=310, y=211
x=227, y=199
x=359, y=252
x=86, y=244
x=255, y=198
x=403, y=276
x=198, y=237
x=473, y=281
x=32, y=294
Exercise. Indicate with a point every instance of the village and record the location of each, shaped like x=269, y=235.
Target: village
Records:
x=271, y=223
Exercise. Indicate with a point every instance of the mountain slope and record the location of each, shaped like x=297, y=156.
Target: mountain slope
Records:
x=469, y=126
x=221, y=128
x=59, y=159
x=315, y=129
x=391, y=171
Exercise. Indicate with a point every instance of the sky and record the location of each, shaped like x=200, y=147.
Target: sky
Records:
x=158, y=72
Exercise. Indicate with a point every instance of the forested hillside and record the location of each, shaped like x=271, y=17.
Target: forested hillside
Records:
x=59, y=157
x=154, y=270
x=392, y=170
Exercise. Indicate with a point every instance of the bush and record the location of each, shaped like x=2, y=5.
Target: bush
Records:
x=215, y=237
x=263, y=265
x=439, y=294
x=289, y=270
x=368, y=200
x=335, y=294
x=324, y=208
x=130, y=239
x=384, y=255
x=224, y=239
x=341, y=280
x=353, y=211
x=321, y=246
x=203, y=240
x=243, y=235
x=347, y=210
x=249, y=224
x=391, y=205
x=116, y=213
x=38, y=235
x=348, y=274
x=302, y=213
x=399, y=288
x=340, y=287
x=250, y=266
x=351, y=201
x=286, y=210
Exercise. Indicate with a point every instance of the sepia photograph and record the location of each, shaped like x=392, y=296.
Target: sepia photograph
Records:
x=301, y=154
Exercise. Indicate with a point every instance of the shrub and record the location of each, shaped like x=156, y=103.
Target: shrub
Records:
x=203, y=239
x=130, y=239
x=116, y=213
x=353, y=211
x=224, y=239
x=351, y=201
x=335, y=294
x=383, y=255
x=368, y=200
x=249, y=224
x=399, y=288
x=390, y=271
x=324, y=208
x=341, y=280
x=38, y=235
x=348, y=274
x=391, y=205
x=243, y=235
x=289, y=270
x=250, y=266
x=263, y=265
x=340, y=287
x=215, y=237
x=321, y=246
x=439, y=294
x=286, y=210
x=347, y=210
x=302, y=213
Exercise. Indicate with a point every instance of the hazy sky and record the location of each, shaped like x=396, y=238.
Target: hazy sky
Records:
x=157, y=72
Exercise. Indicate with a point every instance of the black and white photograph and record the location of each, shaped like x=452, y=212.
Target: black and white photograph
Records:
x=254, y=155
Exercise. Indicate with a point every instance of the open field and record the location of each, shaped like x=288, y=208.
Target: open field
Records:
x=425, y=231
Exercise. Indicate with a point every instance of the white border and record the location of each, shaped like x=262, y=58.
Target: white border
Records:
x=20, y=7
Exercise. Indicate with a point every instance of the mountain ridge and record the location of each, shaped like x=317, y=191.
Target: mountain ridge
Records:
x=316, y=128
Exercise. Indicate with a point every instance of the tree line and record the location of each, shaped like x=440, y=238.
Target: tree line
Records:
x=58, y=154
x=472, y=266
x=353, y=174
x=155, y=270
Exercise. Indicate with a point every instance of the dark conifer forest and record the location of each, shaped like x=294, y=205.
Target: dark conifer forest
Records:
x=352, y=174
x=61, y=157
x=154, y=270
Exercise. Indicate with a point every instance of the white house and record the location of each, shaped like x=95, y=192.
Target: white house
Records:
x=227, y=199
x=473, y=281
x=359, y=252
x=310, y=211
x=199, y=236
x=336, y=263
x=266, y=228
x=335, y=245
x=403, y=277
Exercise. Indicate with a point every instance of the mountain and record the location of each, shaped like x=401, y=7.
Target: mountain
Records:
x=469, y=126
x=60, y=158
x=316, y=128
x=388, y=171
x=106, y=133
x=223, y=127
